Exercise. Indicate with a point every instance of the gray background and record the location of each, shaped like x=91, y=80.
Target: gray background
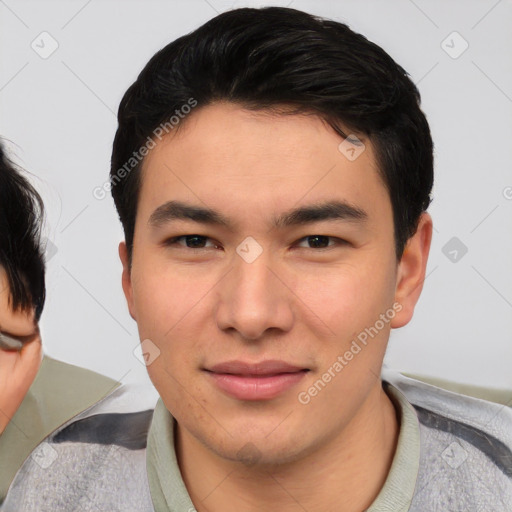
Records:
x=59, y=112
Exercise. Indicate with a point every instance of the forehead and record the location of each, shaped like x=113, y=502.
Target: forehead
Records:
x=256, y=161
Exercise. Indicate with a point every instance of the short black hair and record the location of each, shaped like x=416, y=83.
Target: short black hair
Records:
x=21, y=252
x=288, y=61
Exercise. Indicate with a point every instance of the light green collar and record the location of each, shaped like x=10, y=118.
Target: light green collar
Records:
x=169, y=494
x=398, y=491
x=59, y=392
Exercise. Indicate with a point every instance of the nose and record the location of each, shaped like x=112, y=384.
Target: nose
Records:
x=254, y=299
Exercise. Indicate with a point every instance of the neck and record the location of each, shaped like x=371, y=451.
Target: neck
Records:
x=346, y=474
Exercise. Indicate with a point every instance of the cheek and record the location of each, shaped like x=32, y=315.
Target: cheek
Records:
x=344, y=299
x=170, y=312
x=161, y=297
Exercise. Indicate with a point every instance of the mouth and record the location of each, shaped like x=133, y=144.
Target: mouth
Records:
x=255, y=381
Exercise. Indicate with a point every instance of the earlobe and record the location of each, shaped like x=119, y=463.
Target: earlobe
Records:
x=126, y=279
x=411, y=271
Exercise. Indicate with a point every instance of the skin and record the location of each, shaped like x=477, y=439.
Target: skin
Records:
x=294, y=303
x=18, y=368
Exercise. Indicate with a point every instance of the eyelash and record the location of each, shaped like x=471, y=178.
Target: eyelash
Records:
x=174, y=242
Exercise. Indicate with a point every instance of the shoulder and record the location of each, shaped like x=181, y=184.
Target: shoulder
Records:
x=439, y=406
x=496, y=395
x=465, y=448
x=121, y=419
x=95, y=461
x=59, y=393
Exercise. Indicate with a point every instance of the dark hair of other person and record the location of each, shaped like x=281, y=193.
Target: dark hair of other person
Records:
x=287, y=61
x=21, y=254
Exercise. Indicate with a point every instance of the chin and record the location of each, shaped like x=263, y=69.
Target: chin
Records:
x=255, y=451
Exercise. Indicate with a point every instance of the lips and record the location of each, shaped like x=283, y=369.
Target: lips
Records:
x=255, y=381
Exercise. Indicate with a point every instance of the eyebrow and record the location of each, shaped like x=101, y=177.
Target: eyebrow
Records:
x=329, y=210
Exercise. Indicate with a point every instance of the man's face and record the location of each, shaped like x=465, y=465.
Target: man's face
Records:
x=18, y=365
x=295, y=293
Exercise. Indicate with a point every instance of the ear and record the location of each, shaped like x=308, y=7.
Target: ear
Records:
x=17, y=322
x=411, y=271
x=127, y=279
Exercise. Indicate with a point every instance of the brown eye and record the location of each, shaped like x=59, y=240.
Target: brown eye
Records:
x=320, y=241
x=191, y=242
x=195, y=241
